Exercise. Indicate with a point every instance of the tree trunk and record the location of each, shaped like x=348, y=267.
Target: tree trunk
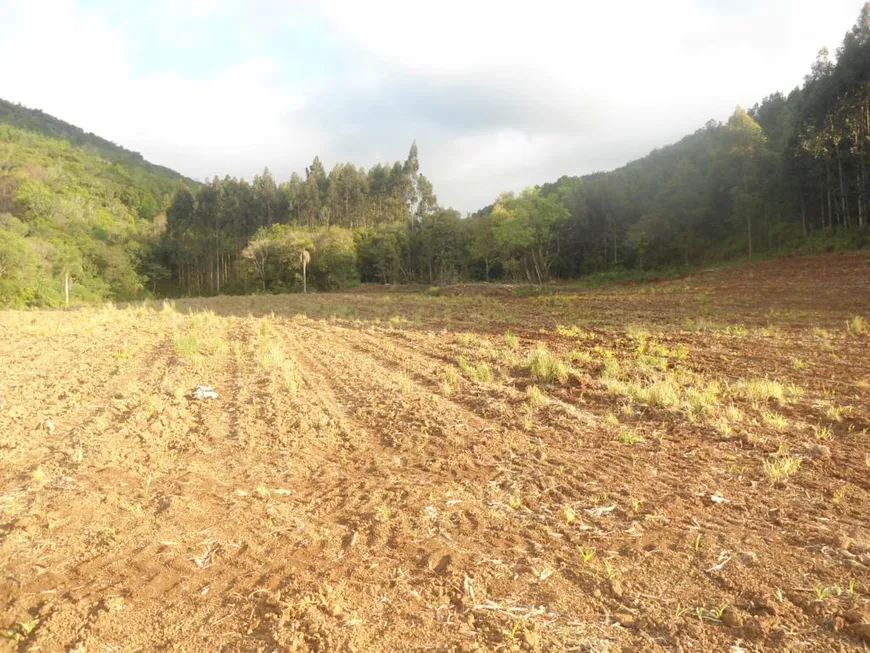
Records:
x=803, y=212
x=66, y=287
x=748, y=212
x=862, y=197
x=843, y=201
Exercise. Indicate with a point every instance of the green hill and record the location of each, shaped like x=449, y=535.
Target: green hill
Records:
x=74, y=206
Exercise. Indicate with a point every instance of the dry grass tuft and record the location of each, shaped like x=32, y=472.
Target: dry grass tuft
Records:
x=546, y=367
x=782, y=467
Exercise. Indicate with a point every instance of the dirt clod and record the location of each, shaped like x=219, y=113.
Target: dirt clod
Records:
x=616, y=588
x=862, y=631
x=732, y=618
x=626, y=620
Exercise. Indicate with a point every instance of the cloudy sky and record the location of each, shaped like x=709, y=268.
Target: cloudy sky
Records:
x=499, y=95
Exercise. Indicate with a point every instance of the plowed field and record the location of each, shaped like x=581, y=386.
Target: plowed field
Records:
x=673, y=466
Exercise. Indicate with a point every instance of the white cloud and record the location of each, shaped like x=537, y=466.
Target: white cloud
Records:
x=498, y=94
x=232, y=122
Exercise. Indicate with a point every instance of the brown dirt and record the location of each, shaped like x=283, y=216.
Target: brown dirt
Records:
x=361, y=485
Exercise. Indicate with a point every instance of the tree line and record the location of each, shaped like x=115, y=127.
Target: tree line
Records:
x=788, y=174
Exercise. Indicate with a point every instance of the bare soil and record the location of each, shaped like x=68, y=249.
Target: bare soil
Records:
x=386, y=472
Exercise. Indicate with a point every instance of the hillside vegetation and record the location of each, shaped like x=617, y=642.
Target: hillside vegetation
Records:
x=73, y=207
x=788, y=175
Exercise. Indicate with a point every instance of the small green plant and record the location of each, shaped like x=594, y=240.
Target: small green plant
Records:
x=765, y=390
x=571, y=332
x=611, y=419
x=664, y=393
x=382, y=513
x=479, y=371
x=511, y=340
x=833, y=413
x=857, y=326
x=610, y=570
x=21, y=630
x=627, y=436
x=515, y=629
x=451, y=378
x=546, y=367
x=187, y=346
x=782, y=467
x=587, y=553
x=732, y=413
x=579, y=357
x=703, y=398
x=717, y=611
x=122, y=353
x=736, y=330
x=775, y=420
x=535, y=396
x=467, y=339
x=822, y=592
x=823, y=431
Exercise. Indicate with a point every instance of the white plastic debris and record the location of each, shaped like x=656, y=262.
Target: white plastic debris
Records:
x=204, y=392
x=718, y=498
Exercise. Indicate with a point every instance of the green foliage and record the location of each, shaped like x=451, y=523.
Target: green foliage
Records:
x=72, y=204
x=523, y=228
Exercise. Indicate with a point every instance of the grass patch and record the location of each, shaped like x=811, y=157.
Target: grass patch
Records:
x=774, y=420
x=511, y=340
x=274, y=359
x=766, y=389
x=468, y=339
x=572, y=332
x=479, y=371
x=857, y=326
x=187, y=347
x=546, y=367
x=703, y=399
x=535, y=396
x=782, y=467
x=578, y=357
x=451, y=378
x=627, y=436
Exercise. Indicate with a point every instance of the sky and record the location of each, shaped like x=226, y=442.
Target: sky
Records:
x=499, y=95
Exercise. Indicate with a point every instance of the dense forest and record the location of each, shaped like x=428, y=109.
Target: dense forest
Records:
x=79, y=213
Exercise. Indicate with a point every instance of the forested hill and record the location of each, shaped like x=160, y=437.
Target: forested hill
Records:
x=792, y=169
x=35, y=120
x=75, y=207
